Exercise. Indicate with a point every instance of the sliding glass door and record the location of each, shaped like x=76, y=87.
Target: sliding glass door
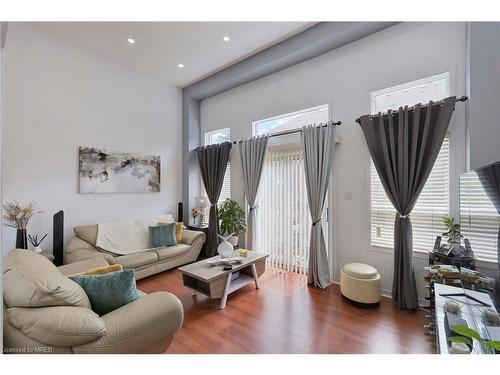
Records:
x=283, y=218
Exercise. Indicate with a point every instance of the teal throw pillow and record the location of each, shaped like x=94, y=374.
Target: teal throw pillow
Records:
x=162, y=235
x=109, y=291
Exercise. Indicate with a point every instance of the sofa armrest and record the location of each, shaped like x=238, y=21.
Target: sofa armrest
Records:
x=78, y=249
x=82, y=266
x=189, y=236
x=146, y=325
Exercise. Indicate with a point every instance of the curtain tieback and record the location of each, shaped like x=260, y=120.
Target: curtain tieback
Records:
x=253, y=208
x=403, y=216
x=317, y=221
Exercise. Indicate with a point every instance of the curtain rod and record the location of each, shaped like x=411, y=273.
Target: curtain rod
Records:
x=286, y=132
x=462, y=99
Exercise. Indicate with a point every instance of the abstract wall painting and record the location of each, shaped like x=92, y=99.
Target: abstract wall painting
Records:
x=104, y=171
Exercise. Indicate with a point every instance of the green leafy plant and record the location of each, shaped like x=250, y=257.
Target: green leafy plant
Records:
x=467, y=334
x=232, y=218
x=453, y=234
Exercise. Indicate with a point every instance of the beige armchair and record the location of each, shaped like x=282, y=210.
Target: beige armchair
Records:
x=46, y=312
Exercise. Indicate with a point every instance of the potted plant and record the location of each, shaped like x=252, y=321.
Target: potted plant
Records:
x=466, y=336
x=453, y=235
x=17, y=216
x=232, y=220
x=36, y=242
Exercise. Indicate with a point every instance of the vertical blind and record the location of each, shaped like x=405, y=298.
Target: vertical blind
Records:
x=284, y=221
x=432, y=204
x=283, y=218
x=479, y=220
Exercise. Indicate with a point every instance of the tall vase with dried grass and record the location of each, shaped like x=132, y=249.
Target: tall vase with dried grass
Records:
x=17, y=216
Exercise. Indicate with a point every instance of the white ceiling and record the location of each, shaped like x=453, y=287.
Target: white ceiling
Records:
x=160, y=46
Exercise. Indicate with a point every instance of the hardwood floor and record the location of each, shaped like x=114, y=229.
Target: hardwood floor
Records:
x=287, y=316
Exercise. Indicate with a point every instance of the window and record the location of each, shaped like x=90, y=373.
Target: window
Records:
x=479, y=219
x=221, y=136
x=284, y=221
x=294, y=120
x=434, y=200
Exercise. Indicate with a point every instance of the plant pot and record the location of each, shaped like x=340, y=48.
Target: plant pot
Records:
x=37, y=249
x=233, y=240
x=21, y=239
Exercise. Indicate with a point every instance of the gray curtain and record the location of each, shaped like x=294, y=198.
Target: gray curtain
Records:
x=252, y=154
x=490, y=179
x=404, y=146
x=213, y=162
x=318, y=143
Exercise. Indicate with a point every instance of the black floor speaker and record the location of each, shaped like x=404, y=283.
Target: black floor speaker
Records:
x=58, y=238
x=179, y=212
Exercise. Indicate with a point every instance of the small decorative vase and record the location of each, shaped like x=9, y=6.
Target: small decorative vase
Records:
x=21, y=239
x=37, y=249
x=233, y=240
x=225, y=249
x=459, y=348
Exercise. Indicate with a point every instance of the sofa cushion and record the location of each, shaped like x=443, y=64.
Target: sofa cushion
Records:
x=109, y=291
x=58, y=325
x=87, y=233
x=82, y=266
x=178, y=231
x=99, y=270
x=31, y=280
x=137, y=260
x=170, y=252
x=162, y=235
x=179, y=227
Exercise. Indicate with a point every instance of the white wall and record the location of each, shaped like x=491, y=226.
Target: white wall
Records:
x=58, y=97
x=484, y=78
x=344, y=79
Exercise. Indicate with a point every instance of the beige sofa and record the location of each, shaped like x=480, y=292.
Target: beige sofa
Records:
x=46, y=312
x=146, y=263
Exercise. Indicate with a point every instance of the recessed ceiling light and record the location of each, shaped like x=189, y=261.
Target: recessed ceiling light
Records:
x=131, y=41
x=180, y=66
x=226, y=38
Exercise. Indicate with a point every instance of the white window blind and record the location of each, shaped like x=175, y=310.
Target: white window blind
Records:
x=426, y=217
x=434, y=200
x=479, y=220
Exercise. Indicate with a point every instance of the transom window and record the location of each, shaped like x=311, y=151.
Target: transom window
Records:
x=290, y=121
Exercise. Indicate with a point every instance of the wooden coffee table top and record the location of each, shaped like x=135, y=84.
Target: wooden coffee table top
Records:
x=203, y=271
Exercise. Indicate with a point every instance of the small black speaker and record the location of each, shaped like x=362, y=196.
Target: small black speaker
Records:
x=179, y=212
x=437, y=244
x=468, y=247
x=58, y=238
